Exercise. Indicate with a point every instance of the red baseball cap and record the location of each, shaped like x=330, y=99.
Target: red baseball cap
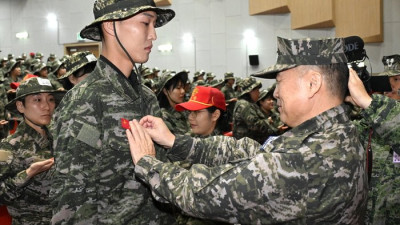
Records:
x=202, y=98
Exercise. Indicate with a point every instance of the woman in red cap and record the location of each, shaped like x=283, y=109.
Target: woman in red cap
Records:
x=207, y=108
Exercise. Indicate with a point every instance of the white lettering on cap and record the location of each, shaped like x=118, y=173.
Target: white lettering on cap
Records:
x=91, y=58
x=44, y=82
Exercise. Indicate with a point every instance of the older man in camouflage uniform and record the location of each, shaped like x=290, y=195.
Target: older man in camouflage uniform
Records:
x=94, y=181
x=312, y=174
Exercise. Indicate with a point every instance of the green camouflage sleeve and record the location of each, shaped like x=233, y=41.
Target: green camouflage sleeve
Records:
x=237, y=192
x=11, y=183
x=384, y=116
x=226, y=150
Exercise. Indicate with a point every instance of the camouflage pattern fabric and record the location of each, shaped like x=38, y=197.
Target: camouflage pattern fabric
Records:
x=229, y=93
x=53, y=80
x=3, y=112
x=27, y=200
x=105, y=10
x=94, y=181
x=312, y=174
x=177, y=122
x=391, y=65
x=250, y=121
x=294, y=52
x=384, y=189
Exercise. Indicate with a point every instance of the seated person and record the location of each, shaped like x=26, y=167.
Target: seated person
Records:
x=26, y=156
x=207, y=112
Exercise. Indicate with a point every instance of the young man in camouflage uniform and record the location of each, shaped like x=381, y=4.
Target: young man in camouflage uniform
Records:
x=26, y=155
x=312, y=174
x=94, y=180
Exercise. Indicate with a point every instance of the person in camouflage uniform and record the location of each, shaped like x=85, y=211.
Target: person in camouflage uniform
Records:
x=266, y=102
x=171, y=91
x=209, y=77
x=312, y=174
x=207, y=112
x=78, y=67
x=58, y=68
x=229, y=93
x=26, y=155
x=94, y=181
x=248, y=119
x=384, y=189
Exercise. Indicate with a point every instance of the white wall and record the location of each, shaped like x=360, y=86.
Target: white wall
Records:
x=217, y=25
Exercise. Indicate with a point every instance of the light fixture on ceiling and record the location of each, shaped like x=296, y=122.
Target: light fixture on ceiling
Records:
x=22, y=35
x=165, y=48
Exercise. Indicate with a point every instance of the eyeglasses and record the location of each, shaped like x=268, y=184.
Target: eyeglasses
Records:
x=197, y=112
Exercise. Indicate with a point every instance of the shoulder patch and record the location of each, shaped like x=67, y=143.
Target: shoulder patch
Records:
x=89, y=135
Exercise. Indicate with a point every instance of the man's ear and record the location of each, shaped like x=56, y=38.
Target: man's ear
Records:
x=215, y=115
x=20, y=106
x=108, y=28
x=315, y=82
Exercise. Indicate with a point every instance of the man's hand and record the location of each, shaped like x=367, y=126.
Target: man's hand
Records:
x=358, y=94
x=140, y=142
x=39, y=167
x=158, y=131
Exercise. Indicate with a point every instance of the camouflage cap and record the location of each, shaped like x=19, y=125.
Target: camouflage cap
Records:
x=216, y=83
x=11, y=64
x=10, y=56
x=248, y=84
x=38, y=67
x=5, y=59
x=146, y=72
x=105, y=10
x=167, y=76
x=52, y=56
x=267, y=93
x=38, y=55
x=155, y=70
x=199, y=73
x=391, y=65
x=31, y=86
x=77, y=61
x=294, y=52
x=210, y=75
x=56, y=65
x=228, y=75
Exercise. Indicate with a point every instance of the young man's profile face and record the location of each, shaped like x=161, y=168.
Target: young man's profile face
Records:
x=137, y=34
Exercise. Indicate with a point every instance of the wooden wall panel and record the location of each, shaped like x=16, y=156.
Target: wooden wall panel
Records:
x=309, y=14
x=163, y=2
x=363, y=18
x=259, y=7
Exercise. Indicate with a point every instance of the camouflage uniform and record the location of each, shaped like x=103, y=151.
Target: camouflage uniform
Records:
x=27, y=200
x=94, y=182
x=248, y=118
x=384, y=190
x=177, y=122
x=304, y=183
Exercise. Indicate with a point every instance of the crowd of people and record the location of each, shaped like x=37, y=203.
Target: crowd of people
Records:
x=108, y=140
